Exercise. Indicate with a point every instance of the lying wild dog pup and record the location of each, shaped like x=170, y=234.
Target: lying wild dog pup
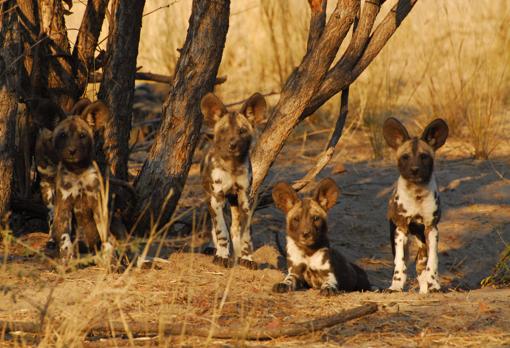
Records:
x=414, y=206
x=70, y=181
x=309, y=255
x=226, y=175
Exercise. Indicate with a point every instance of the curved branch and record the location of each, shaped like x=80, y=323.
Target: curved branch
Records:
x=317, y=22
x=324, y=158
x=340, y=76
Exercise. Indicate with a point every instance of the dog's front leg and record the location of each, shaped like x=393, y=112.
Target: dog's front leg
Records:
x=219, y=231
x=431, y=282
x=62, y=227
x=399, y=274
x=290, y=283
x=246, y=245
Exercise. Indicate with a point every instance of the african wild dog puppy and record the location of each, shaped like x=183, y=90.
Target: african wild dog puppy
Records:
x=310, y=259
x=69, y=179
x=226, y=175
x=414, y=206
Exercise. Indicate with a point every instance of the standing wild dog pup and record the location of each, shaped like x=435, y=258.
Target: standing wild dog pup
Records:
x=226, y=175
x=414, y=206
x=70, y=179
x=309, y=256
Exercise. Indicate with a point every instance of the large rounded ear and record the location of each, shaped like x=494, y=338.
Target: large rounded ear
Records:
x=394, y=133
x=435, y=133
x=255, y=109
x=284, y=196
x=96, y=115
x=327, y=193
x=80, y=106
x=212, y=108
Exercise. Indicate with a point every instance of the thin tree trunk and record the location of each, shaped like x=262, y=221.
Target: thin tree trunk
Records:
x=166, y=168
x=362, y=49
x=117, y=86
x=10, y=50
x=300, y=89
x=86, y=41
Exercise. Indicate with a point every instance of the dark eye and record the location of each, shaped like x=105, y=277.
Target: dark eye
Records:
x=242, y=130
x=62, y=135
x=83, y=135
x=424, y=156
x=295, y=220
x=405, y=157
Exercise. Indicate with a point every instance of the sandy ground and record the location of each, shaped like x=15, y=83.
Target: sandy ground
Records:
x=473, y=231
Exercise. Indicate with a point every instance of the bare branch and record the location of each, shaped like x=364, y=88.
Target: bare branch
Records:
x=147, y=76
x=323, y=158
x=300, y=89
x=340, y=76
x=86, y=41
x=317, y=22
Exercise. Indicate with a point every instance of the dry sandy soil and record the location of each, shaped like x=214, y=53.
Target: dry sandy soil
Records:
x=189, y=288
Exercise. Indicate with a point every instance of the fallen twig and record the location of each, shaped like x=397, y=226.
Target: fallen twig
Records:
x=138, y=329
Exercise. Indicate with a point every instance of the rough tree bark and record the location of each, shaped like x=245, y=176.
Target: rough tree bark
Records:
x=86, y=41
x=321, y=84
x=117, y=86
x=61, y=76
x=169, y=159
x=300, y=89
x=9, y=52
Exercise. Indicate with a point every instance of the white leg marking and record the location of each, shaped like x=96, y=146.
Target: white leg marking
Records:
x=399, y=275
x=431, y=272
x=66, y=247
x=220, y=231
x=235, y=231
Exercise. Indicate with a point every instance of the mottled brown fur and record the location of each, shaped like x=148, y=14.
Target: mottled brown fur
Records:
x=310, y=258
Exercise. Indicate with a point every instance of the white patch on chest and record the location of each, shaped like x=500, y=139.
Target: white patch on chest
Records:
x=80, y=183
x=425, y=206
x=224, y=181
x=313, y=262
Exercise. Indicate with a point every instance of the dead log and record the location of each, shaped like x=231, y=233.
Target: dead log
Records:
x=148, y=329
x=169, y=159
x=117, y=85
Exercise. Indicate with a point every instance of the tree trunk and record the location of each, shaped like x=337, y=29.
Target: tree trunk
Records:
x=117, y=86
x=300, y=89
x=86, y=41
x=166, y=168
x=322, y=84
x=10, y=50
x=57, y=73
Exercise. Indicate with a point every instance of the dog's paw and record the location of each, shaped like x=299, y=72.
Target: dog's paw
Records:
x=391, y=290
x=282, y=288
x=329, y=291
x=248, y=263
x=223, y=261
